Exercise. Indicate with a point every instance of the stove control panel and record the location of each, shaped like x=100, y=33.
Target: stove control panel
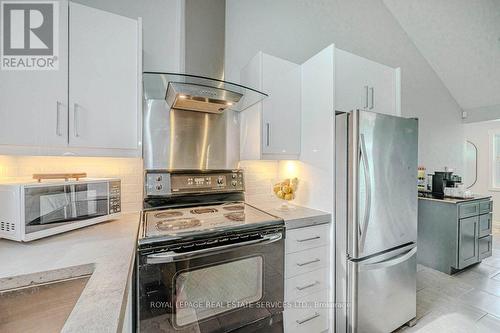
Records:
x=190, y=182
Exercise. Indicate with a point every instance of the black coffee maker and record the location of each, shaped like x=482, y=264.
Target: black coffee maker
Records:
x=442, y=179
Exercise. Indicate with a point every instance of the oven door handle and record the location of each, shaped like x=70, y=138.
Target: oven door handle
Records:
x=171, y=256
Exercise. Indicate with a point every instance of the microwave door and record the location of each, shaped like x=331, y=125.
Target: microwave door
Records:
x=55, y=208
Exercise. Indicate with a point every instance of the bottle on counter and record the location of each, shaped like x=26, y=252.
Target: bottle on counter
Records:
x=421, y=179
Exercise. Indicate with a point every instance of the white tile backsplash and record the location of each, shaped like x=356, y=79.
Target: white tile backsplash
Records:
x=129, y=170
x=259, y=176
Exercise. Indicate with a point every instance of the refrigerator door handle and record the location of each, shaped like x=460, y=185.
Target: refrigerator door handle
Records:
x=368, y=193
x=388, y=262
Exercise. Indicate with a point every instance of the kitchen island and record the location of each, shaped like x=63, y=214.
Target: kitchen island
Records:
x=453, y=233
x=103, y=253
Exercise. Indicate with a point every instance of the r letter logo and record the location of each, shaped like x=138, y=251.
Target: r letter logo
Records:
x=29, y=32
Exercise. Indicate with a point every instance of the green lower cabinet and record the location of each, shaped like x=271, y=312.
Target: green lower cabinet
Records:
x=468, y=241
x=454, y=235
x=485, y=247
x=485, y=224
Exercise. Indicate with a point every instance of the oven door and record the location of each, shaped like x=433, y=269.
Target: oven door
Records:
x=218, y=289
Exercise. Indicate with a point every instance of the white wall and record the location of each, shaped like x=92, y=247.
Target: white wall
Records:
x=163, y=29
x=478, y=133
x=297, y=29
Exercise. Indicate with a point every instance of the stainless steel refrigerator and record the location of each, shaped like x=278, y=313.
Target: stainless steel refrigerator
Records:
x=376, y=221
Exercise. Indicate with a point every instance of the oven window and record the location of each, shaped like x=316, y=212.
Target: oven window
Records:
x=209, y=291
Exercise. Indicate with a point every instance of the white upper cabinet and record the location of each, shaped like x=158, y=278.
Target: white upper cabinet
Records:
x=90, y=105
x=366, y=85
x=271, y=128
x=103, y=79
x=33, y=103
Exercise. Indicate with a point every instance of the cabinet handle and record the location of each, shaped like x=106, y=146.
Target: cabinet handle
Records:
x=308, y=239
x=307, y=286
x=58, y=119
x=372, y=90
x=300, y=264
x=305, y=320
x=268, y=133
x=75, y=119
x=366, y=97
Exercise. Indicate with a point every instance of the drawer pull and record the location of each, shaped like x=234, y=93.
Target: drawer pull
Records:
x=300, y=322
x=307, y=286
x=300, y=264
x=308, y=239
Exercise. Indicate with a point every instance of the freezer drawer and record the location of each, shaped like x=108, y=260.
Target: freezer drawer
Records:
x=386, y=291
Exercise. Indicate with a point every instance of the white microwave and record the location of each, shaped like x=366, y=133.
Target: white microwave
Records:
x=30, y=211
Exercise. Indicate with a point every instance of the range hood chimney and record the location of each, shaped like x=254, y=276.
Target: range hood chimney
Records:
x=203, y=88
x=205, y=37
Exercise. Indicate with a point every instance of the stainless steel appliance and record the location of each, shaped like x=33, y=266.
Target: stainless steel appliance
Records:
x=184, y=126
x=376, y=221
x=32, y=210
x=207, y=262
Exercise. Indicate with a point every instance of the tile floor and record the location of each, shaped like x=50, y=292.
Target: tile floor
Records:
x=466, y=302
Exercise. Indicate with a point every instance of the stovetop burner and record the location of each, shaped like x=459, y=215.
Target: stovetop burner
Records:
x=177, y=224
x=168, y=214
x=207, y=210
x=235, y=216
x=233, y=207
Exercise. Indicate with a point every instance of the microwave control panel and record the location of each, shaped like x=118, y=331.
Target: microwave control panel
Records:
x=160, y=184
x=115, y=205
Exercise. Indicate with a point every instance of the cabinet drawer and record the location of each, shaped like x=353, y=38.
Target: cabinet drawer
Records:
x=468, y=209
x=306, y=261
x=313, y=318
x=485, y=207
x=306, y=284
x=307, y=238
x=485, y=246
x=485, y=224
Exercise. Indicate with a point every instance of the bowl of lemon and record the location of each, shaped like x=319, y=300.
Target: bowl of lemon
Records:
x=286, y=190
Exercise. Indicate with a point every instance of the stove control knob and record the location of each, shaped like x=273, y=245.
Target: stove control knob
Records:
x=220, y=180
x=234, y=183
x=234, y=176
x=159, y=178
x=159, y=187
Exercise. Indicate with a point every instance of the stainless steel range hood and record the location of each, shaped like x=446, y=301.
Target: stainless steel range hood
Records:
x=204, y=88
x=198, y=93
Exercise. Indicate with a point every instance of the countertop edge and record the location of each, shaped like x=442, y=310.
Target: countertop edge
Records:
x=456, y=200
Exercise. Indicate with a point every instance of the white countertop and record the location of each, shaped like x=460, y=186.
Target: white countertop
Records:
x=105, y=250
x=456, y=200
x=296, y=217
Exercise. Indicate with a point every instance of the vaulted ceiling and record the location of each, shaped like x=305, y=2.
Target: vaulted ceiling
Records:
x=461, y=41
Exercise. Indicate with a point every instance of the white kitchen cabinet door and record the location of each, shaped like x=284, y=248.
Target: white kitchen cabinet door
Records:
x=381, y=80
x=104, y=73
x=271, y=129
x=281, y=110
x=33, y=103
x=351, y=85
x=364, y=84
